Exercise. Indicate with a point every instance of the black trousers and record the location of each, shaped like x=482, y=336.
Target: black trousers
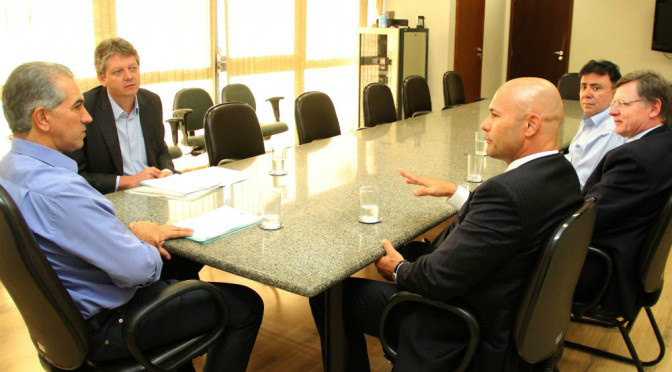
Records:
x=187, y=315
x=426, y=340
x=180, y=268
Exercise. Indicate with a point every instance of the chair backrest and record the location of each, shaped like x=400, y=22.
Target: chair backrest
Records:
x=653, y=256
x=315, y=117
x=196, y=99
x=57, y=329
x=544, y=313
x=453, y=89
x=415, y=93
x=238, y=93
x=232, y=132
x=378, y=105
x=569, y=85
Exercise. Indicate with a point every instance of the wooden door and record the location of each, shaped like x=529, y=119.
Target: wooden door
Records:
x=469, y=45
x=539, y=38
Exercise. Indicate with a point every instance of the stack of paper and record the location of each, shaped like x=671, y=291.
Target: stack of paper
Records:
x=218, y=222
x=190, y=184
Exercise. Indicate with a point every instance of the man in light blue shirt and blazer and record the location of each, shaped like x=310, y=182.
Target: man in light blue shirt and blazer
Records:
x=595, y=136
x=125, y=141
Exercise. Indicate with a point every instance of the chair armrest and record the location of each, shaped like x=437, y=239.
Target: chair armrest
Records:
x=420, y=113
x=226, y=161
x=579, y=308
x=133, y=319
x=275, y=103
x=181, y=113
x=175, y=124
x=405, y=296
x=175, y=152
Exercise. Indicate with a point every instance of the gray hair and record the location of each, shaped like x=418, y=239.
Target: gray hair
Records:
x=651, y=86
x=29, y=86
x=110, y=47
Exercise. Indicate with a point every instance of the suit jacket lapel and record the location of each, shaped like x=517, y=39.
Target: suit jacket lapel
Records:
x=108, y=127
x=145, y=122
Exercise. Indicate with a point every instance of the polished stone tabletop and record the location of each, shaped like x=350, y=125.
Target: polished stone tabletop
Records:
x=322, y=241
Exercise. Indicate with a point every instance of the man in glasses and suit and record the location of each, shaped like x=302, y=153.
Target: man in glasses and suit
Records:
x=631, y=183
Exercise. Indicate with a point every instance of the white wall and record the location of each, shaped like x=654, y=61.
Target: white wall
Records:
x=440, y=20
x=617, y=30
x=495, y=45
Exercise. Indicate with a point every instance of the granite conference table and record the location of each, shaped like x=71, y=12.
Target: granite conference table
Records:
x=322, y=242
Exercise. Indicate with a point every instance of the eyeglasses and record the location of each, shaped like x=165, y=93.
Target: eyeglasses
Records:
x=620, y=103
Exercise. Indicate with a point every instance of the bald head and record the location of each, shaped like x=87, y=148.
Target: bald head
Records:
x=525, y=115
x=535, y=96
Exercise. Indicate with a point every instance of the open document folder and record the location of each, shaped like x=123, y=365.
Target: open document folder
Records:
x=189, y=184
x=218, y=222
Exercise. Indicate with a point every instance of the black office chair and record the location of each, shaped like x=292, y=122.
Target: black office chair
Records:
x=56, y=327
x=189, y=108
x=650, y=269
x=569, y=86
x=175, y=152
x=315, y=117
x=232, y=132
x=378, y=105
x=416, y=98
x=453, y=90
x=241, y=93
x=544, y=312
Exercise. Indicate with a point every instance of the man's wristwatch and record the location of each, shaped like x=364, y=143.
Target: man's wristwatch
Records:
x=396, y=269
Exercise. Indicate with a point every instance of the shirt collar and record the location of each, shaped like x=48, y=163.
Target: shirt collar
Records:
x=643, y=133
x=518, y=162
x=117, y=111
x=44, y=154
x=598, y=118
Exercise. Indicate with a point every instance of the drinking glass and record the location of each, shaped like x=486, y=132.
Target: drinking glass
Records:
x=481, y=145
x=278, y=157
x=269, y=207
x=475, y=168
x=369, y=204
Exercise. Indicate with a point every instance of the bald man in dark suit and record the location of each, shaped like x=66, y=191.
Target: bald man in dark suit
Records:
x=483, y=260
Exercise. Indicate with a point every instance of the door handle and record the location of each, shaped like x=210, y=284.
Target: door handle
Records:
x=479, y=53
x=560, y=54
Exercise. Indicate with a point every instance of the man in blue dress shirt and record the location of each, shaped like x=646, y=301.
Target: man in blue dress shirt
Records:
x=105, y=266
x=595, y=136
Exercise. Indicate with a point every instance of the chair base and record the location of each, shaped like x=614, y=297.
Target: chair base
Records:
x=625, y=332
